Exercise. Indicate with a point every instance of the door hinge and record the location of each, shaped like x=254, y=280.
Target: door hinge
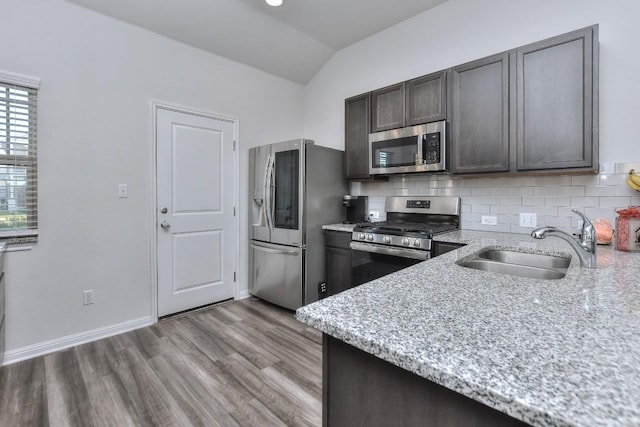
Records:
x=234, y=145
x=234, y=211
x=234, y=276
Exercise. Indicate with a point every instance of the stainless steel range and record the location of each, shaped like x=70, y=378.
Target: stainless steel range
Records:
x=404, y=239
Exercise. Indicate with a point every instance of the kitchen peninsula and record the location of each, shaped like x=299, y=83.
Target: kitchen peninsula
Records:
x=544, y=352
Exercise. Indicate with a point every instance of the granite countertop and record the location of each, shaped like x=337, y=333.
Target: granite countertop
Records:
x=347, y=228
x=548, y=352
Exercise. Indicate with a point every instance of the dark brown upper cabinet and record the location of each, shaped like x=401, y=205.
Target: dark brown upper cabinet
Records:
x=426, y=99
x=356, y=137
x=557, y=102
x=479, y=115
x=534, y=108
x=414, y=102
x=387, y=108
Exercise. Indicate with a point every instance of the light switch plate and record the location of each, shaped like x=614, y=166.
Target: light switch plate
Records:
x=528, y=220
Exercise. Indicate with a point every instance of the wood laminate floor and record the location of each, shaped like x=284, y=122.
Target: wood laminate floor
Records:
x=241, y=363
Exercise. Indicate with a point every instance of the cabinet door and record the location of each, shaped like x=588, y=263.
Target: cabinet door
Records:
x=425, y=99
x=387, y=108
x=479, y=115
x=356, y=139
x=440, y=248
x=337, y=261
x=555, y=88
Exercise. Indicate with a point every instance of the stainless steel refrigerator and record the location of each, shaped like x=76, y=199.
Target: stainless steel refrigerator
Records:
x=295, y=187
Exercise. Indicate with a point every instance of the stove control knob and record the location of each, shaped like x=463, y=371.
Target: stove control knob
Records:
x=387, y=239
x=370, y=237
x=416, y=243
x=405, y=242
x=361, y=236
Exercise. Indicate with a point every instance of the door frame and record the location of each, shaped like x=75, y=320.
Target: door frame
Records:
x=156, y=105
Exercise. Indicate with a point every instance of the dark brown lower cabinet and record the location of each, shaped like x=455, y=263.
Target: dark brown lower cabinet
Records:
x=337, y=261
x=359, y=389
x=440, y=248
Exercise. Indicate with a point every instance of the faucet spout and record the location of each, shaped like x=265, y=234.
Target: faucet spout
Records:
x=585, y=246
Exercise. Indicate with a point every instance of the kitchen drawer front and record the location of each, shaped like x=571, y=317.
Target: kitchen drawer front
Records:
x=340, y=239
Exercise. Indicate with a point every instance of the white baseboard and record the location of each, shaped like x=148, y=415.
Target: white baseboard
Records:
x=243, y=294
x=46, y=347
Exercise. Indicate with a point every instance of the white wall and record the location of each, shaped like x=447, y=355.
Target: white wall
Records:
x=463, y=30
x=98, y=76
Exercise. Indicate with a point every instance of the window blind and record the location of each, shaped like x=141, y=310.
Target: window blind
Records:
x=18, y=160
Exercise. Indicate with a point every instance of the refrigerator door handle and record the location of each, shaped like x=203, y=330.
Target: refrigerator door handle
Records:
x=268, y=193
x=273, y=251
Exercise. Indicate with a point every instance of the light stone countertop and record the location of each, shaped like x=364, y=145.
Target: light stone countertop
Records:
x=347, y=228
x=548, y=352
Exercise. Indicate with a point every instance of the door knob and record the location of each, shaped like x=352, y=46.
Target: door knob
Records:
x=165, y=225
x=163, y=210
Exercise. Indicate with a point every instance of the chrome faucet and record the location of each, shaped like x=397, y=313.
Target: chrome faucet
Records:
x=585, y=246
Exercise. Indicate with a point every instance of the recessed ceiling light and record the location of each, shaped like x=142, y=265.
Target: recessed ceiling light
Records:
x=274, y=2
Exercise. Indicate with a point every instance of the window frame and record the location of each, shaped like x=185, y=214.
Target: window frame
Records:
x=30, y=162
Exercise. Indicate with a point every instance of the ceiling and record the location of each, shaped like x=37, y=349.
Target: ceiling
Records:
x=292, y=41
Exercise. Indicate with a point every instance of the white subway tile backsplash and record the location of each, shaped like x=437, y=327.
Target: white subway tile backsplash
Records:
x=585, y=202
x=520, y=191
x=615, y=179
x=556, y=180
x=545, y=191
x=511, y=201
x=429, y=192
x=585, y=180
x=546, y=211
x=504, y=210
x=555, y=221
x=614, y=202
x=624, y=168
x=557, y=201
x=533, y=201
x=571, y=190
x=550, y=197
x=625, y=190
x=600, y=191
x=481, y=209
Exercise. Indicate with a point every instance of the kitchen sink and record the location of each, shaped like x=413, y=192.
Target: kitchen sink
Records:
x=525, y=258
x=522, y=264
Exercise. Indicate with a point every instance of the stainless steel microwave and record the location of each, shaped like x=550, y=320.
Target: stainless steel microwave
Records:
x=420, y=148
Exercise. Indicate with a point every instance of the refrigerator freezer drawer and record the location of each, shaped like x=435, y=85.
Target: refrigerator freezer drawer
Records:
x=277, y=274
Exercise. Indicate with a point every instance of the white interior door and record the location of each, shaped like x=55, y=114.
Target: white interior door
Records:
x=195, y=212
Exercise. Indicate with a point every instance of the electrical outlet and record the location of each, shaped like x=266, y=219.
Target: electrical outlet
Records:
x=87, y=297
x=489, y=220
x=528, y=220
x=123, y=191
x=374, y=214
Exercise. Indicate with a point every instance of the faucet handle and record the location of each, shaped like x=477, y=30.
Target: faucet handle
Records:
x=588, y=234
x=585, y=221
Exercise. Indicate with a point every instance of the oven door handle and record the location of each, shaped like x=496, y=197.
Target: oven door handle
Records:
x=393, y=251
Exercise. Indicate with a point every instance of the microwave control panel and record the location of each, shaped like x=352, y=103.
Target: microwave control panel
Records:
x=431, y=148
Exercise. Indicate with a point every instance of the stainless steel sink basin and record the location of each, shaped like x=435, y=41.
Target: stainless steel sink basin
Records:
x=525, y=258
x=522, y=264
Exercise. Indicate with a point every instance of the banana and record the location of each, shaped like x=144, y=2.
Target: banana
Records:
x=633, y=180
